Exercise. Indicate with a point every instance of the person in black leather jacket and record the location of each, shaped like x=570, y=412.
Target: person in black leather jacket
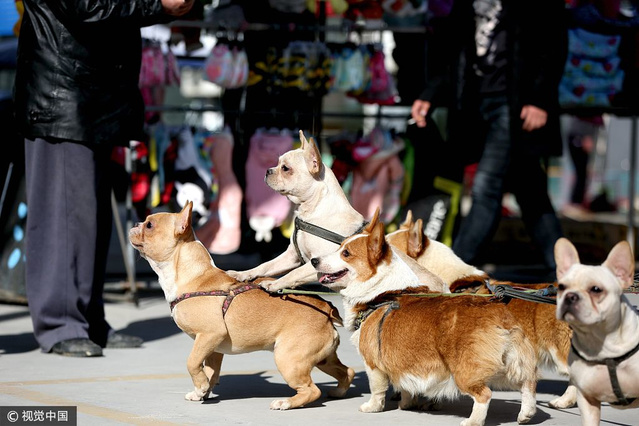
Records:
x=76, y=96
x=496, y=65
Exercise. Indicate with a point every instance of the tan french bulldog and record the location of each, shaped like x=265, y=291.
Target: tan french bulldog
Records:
x=225, y=316
x=301, y=176
x=604, y=359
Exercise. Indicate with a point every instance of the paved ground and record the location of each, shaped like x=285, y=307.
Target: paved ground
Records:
x=147, y=385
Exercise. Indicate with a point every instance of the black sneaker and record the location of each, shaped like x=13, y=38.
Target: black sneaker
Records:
x=77, y=348
x=121, y=341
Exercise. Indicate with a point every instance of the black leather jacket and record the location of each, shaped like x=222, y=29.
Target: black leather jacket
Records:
x=78, y=69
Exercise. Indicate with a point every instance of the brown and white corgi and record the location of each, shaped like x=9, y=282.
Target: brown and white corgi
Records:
x=440, y=346
x=549, y=336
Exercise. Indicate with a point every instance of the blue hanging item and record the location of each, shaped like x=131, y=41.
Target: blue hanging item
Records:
x=8, y=17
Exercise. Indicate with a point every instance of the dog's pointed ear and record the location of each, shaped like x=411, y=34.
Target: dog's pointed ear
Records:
x=376, y=243
x=408, y=222
x=416, y=239
x=312, y=156
x=303, y=141
x=621, y=262
x=373, y=222
x=565, y=256
x=183, y=223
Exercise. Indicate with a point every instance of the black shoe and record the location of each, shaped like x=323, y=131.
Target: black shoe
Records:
x=120, y=341
x=77, y=347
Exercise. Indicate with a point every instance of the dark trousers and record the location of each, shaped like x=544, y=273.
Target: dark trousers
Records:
x=503, y=168
x=67, y=239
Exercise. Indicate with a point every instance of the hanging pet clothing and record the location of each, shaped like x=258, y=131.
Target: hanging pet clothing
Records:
x=265, y=208
x=221, y=233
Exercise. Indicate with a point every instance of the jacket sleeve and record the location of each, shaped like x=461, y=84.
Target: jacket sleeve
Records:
x=133, y=12
x=543, y=51
x=444, y=45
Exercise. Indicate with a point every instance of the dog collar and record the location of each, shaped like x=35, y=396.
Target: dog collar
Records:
x=318, y=231
x=228, y=294
x=612, y=364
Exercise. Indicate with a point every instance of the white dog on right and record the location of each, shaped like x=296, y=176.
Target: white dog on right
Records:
x=604, y=358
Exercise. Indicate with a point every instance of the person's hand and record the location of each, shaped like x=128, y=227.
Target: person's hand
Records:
x=534, y=118
x=418, y=112
x=177, y=7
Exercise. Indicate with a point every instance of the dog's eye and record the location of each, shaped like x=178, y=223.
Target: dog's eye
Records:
x=595, y=289
x=345, y=253
x=149, y=225
x=561, y=287
x=285, y=168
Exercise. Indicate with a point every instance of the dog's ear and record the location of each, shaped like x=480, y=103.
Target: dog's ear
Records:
x=565, y=256
x=373, y=222
x=376, y=243
x=621, y=262
x=416, y=239
x=408, y=222
x=303, y=141
x=312, y=156
x=183, y=223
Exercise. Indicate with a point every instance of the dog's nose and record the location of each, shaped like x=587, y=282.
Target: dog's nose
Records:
x=315, y=262
x=571, y=298
x=269, y=171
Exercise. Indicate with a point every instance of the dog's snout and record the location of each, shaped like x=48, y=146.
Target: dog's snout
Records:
x=315, y=261
x=270, y=171
x=571, y=298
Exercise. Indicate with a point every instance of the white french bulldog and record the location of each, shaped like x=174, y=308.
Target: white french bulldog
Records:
x=301, y=176
x=604, y=359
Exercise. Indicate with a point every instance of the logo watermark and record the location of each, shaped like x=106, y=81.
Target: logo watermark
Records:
x=38, y=415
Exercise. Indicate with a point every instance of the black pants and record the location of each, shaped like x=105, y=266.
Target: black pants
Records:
x=504, y=168
x=69, y=224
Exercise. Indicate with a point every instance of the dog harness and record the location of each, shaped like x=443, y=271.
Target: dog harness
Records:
x=363, y=315
x=318, y=231
x=612, y=364
x=228, y=294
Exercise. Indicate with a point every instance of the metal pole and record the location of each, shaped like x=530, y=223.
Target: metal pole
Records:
x=631, y=183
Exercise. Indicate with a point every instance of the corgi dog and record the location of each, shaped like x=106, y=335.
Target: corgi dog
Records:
x=549, y=336
x=425, y=344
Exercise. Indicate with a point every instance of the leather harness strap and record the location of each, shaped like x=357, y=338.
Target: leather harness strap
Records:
x=612, y=364
x=228, y=294
x=318, y=231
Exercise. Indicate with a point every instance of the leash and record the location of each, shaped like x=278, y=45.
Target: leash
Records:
x=502, y=291
x=228, y=294
x=612, y=364
x=318, y=231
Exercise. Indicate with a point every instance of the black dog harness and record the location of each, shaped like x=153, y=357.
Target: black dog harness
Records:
x=612, y=364
x=228, y=294
x=318, y=231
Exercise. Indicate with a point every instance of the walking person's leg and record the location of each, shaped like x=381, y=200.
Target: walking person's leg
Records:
x=479, y=226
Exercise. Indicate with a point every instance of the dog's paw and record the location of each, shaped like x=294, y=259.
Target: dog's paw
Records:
x=197, y=395
x=273, y=286
x=239, y=275
x=281, y=404
x=525, y=415
x=567, y=400
x=371, y=407
x=561, y=403
x=194, y=396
